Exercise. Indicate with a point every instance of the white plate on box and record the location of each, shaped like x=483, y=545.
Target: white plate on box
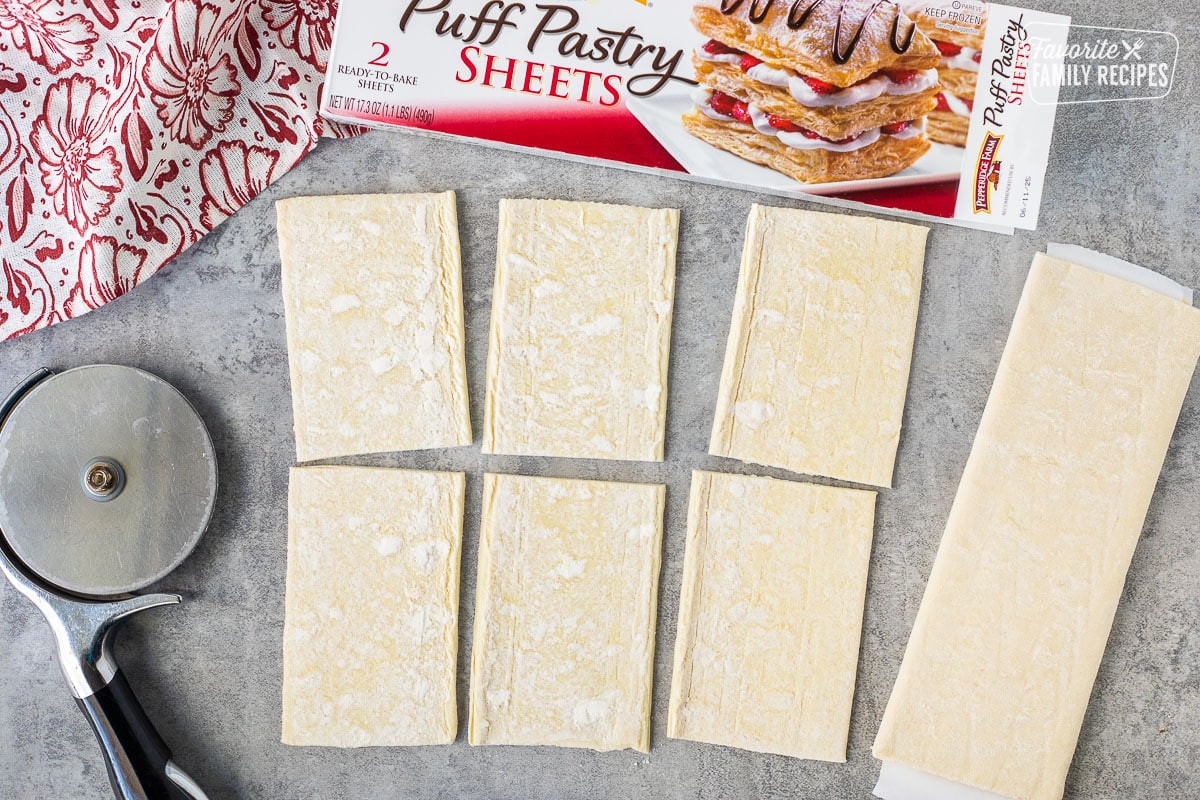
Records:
x=661, y=115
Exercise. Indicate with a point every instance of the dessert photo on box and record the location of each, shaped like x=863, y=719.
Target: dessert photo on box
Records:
x=961, y=47
x=831, y=96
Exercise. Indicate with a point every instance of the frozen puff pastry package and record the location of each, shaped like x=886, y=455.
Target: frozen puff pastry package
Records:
x=1006, y=645
x=564, y=613
x=372, y=292
x=816, y=369
x=370, y=641
x=770, y=616
x=581, y=331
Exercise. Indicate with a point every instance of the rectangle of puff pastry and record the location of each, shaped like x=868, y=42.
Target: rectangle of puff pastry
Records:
x=816, y=369
x=774, y=581
x=370, y=640
x=564, y=613
x=1009, y=636
x=373, y=299
x=581, y=330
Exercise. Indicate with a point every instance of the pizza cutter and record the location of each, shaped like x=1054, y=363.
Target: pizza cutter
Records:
x=107, y=481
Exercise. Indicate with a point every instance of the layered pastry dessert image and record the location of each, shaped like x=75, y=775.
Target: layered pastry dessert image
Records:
x=820, y=90
x=960, y=46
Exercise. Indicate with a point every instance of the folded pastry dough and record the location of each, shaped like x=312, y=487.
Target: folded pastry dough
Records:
x=370, y=639
x=564, y=613
x=373, y=299
x=581, y=330
x=774, y=580
x=816, y=369
x=1009, y=636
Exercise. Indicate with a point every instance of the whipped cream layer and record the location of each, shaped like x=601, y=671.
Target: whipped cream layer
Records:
x=800, y=141
x=964, y=60
x=874, y=87
x=957, y=105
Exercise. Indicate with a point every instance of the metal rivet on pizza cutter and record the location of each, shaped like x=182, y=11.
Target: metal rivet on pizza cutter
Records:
x=107, y=481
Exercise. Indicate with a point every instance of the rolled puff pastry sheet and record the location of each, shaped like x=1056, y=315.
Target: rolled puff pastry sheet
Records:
x=372, y=292
x=581, y=331
x=564, y=613
x=370, y=640
x=1008, y=639
x=774, y=581
x=816, y=369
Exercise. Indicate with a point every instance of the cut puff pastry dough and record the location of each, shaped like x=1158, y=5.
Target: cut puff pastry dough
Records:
x=1010, y=633
x=774, y=581
x=581, y=331
x=373, y=300
x=370, y=636
x=816, y=369
x=564, y=613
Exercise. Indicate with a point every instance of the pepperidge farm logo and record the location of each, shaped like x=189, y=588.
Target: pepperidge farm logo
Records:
x=987, y=172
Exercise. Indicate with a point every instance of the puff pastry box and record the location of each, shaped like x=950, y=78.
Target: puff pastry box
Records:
x=816, y=368
x=564, y=613
x=372, y=294
x=1006, y=645
x=770, y=615
x=370, y=640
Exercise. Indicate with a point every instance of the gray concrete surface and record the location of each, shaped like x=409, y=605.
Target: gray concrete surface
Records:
x=1123, y=179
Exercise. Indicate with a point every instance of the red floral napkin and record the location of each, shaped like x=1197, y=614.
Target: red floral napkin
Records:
x=130, y=129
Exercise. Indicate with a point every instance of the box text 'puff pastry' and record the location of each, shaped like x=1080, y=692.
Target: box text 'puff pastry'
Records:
x=774, y=581
x=370, y=640
x=372, y=292
x=816, y=369
x=1009, y=636
x=564, y=613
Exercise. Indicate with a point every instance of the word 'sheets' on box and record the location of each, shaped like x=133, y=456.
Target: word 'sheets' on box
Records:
x=916, y=108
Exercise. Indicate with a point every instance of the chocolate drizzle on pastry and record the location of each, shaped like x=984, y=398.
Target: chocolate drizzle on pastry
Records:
x=801, y=10
x=797, y=22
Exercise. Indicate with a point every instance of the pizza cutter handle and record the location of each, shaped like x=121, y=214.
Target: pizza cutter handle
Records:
x=138, y=760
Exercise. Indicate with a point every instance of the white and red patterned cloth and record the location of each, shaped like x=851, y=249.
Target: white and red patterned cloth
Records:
x=130, y=128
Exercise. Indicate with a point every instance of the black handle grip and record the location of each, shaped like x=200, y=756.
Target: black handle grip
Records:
x=136, y=756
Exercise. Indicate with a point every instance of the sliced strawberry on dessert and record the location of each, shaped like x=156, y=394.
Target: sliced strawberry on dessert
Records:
x=781, y=124
x=816, y=136
x=901, y=76
x=749, y=62
x=819, y=86
x=977, y=57
x=942, y=103
x=723, y=103
x=715, y=48
x=947, y=49
x=847, y=140
x=970, y=104
x=741, y=112
x=892, y=128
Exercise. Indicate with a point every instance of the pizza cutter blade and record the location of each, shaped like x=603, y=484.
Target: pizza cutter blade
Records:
x=107, y=481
